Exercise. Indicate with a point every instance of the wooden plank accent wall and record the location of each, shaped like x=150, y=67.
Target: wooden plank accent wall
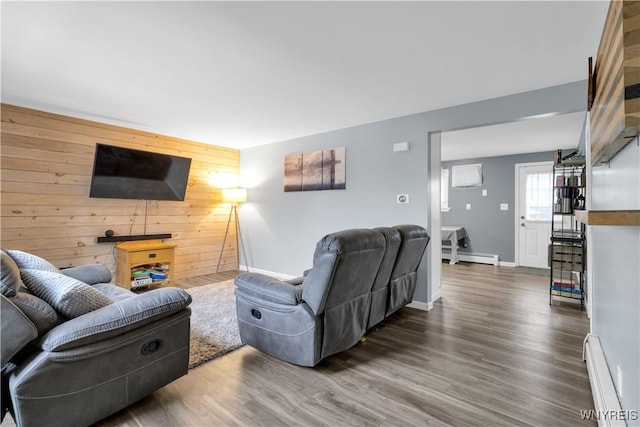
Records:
x=615, y=114
x=46, y=166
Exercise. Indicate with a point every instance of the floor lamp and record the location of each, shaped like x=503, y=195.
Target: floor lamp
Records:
x=233, y=196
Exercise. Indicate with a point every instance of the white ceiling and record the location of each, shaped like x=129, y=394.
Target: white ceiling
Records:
x=240, y=74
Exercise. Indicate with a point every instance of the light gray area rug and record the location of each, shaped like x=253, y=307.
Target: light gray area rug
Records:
x=214, y=324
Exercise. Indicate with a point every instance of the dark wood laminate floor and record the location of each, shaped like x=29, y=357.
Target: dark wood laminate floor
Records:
x=492, y=352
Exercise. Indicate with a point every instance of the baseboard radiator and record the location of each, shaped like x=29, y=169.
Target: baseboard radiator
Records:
x=605, y=399
x=472, y=257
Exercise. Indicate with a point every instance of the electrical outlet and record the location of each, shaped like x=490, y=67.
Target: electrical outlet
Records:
x=504, y=206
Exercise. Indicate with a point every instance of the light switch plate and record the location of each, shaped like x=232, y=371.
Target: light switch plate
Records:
x=402, y=199
x=468, y=206
x=484, y=191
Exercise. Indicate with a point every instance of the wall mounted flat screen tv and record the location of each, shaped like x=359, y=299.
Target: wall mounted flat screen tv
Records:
x=123, y=173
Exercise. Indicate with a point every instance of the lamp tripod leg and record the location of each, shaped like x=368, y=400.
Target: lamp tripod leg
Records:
x=240, y=245
x=224, y=241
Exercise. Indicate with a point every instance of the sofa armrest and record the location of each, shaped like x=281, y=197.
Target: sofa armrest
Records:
x=268, y=289
x=295, y=281
x=116, y=319
x=298, y=280
x=89, y=274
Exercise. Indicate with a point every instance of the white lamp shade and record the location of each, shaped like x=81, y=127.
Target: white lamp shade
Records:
x=234, y=195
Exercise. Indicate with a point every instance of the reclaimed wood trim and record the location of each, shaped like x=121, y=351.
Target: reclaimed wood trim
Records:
x=620, y=217
x=615, y=111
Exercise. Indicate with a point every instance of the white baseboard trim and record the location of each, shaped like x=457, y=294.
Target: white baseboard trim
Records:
x=506, y=264
x=473, y=257
x=424, y=306
x=267, y=272
x=605, y=398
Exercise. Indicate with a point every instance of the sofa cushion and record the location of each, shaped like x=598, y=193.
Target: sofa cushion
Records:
x=27, y=260
x=70, y=297
x=10, y=276
x=41, y=314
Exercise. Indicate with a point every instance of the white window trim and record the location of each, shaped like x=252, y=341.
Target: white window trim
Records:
x=444, y=190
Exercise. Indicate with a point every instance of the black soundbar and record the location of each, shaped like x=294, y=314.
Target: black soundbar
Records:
x=133, y=237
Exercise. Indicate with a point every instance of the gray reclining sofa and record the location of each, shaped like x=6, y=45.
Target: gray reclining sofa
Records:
x=76, y=349
x=358, y=278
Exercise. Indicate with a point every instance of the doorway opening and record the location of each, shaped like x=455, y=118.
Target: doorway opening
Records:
x=541, y=135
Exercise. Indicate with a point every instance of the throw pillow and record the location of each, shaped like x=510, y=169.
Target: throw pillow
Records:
x=27, y=260
x=70, y=297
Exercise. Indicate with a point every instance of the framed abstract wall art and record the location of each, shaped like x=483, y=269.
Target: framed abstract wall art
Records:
x=315, y=170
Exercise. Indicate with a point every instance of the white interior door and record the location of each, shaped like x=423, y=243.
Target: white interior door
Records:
x=535, y=204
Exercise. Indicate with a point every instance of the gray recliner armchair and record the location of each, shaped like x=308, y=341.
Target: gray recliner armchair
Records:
x=326, y=314
x=359, y=277
x=76, y=350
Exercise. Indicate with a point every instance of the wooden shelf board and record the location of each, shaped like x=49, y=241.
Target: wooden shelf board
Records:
x=621, y=217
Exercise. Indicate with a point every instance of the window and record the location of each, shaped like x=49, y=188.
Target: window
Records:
x=539, y=197
x=444, y=190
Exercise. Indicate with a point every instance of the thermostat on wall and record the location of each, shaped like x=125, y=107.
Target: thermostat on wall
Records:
x=402, y=198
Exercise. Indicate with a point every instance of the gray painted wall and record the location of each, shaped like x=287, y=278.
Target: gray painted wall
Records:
x=616, y=273
x=490, y=230
x=280, y=229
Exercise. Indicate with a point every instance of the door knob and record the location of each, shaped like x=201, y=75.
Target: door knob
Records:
x=522, y=217
x=522, y=224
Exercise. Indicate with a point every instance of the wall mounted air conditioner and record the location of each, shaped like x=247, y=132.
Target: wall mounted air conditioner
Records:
x=466, y=175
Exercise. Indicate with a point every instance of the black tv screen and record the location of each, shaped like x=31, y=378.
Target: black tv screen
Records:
x=123, y=173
